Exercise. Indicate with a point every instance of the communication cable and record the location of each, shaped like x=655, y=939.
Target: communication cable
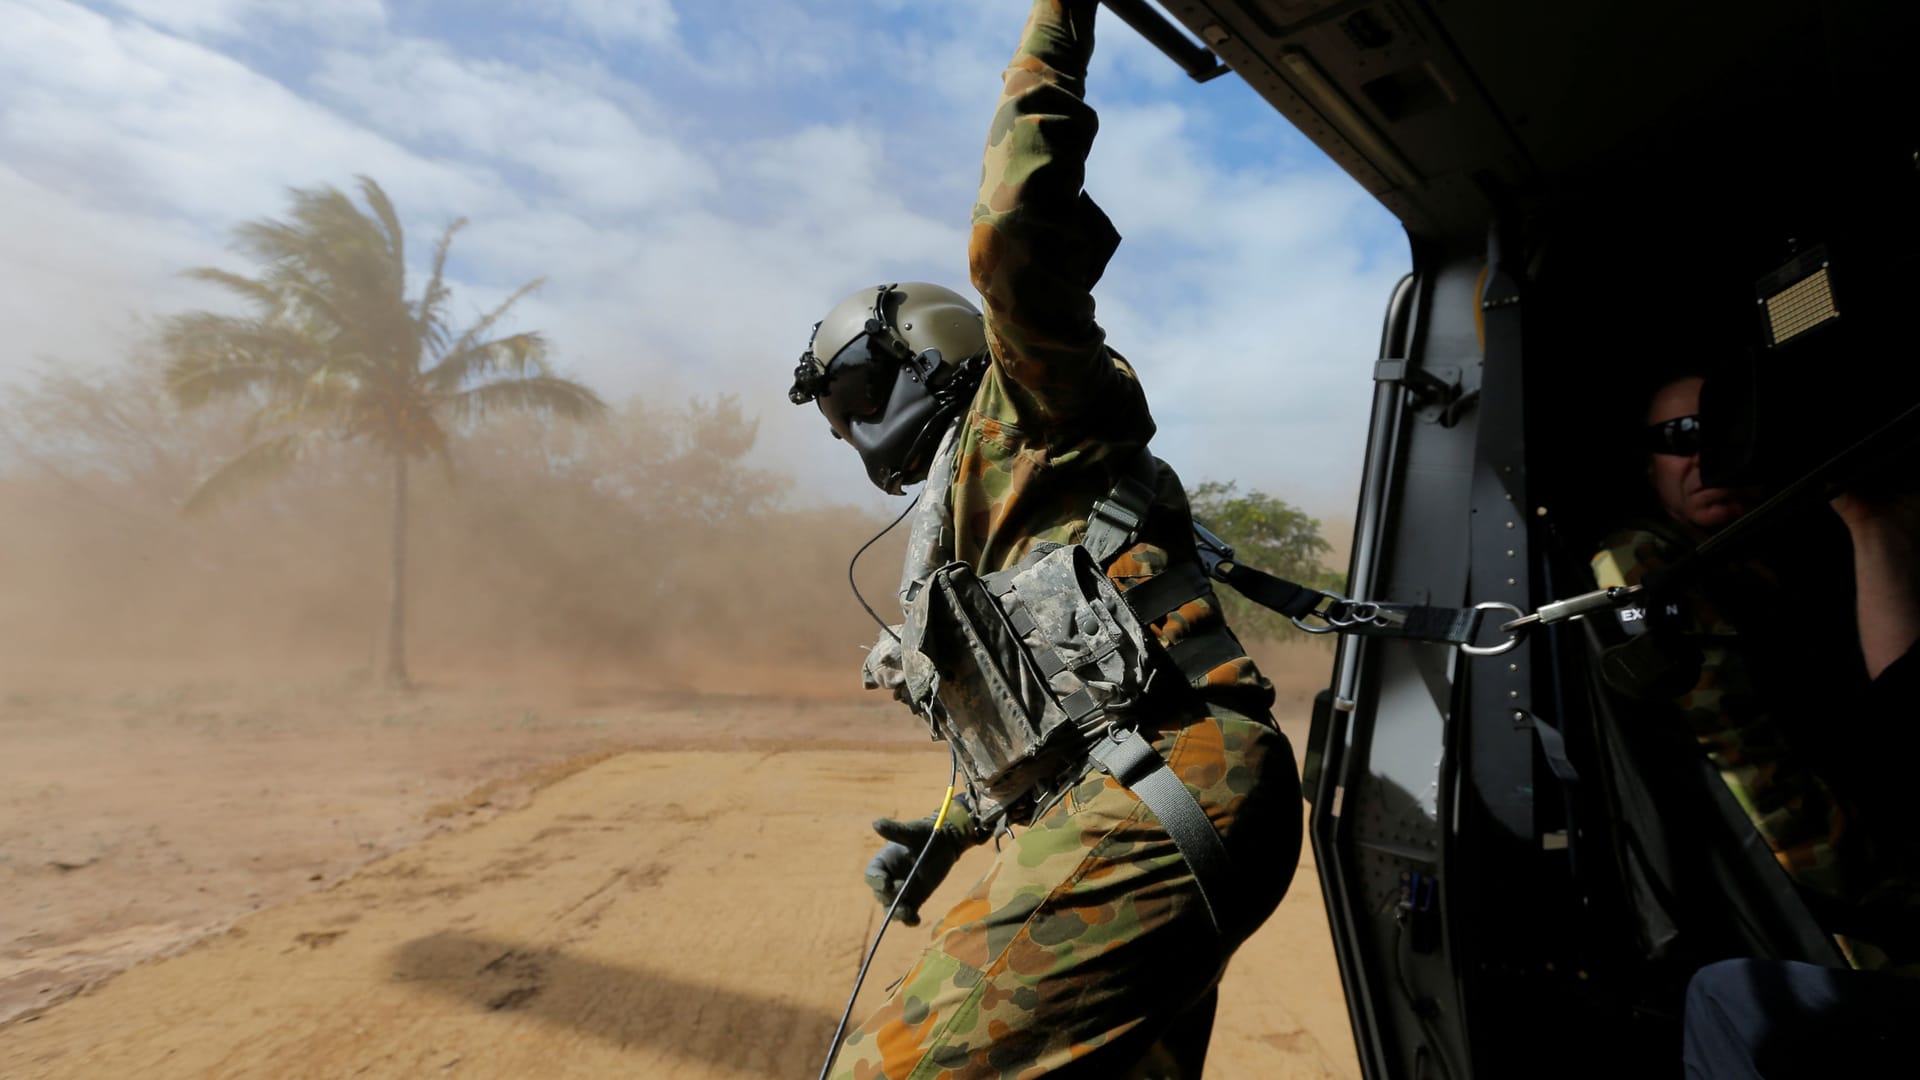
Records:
x=833, y=1048
x=855, y=586
x=946, y=804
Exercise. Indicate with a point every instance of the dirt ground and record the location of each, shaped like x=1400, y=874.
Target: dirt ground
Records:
x=313, y=879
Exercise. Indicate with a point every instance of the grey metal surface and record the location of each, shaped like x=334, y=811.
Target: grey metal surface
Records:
x=1437, y=108
x=1386, y=765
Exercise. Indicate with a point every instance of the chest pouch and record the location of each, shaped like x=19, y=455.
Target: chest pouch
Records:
x=1022, y=670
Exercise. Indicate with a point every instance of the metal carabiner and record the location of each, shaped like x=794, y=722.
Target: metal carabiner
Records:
x=1322, y=610
x=1515, y=632
x=1358, y=613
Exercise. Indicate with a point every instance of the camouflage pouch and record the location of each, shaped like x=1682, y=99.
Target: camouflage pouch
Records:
x=1022, y=669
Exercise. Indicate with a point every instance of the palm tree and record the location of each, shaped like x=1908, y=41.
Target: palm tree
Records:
x=333, y=350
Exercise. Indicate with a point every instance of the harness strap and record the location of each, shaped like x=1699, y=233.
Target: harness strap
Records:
x=1113, y=525
x=1133, y=762
x=1196, y=656
x=1114, y=521
x=1286, y=597
x=1166, y=592
x=1421, y=622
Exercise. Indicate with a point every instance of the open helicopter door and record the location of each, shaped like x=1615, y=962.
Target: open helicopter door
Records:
x=1499, y=861
x=1441, y=490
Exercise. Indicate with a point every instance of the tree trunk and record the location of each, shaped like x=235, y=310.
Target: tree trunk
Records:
x=396, y=673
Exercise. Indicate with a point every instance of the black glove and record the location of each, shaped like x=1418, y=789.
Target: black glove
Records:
x=887, y=873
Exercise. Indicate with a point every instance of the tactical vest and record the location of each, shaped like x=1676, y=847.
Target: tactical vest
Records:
x=1038, y=670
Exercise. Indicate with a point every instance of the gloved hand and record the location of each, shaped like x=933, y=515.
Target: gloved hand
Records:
x=883, y=669
x=887, y=873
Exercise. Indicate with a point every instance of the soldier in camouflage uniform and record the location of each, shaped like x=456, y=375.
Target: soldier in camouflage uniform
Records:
x=1085, y=949
x=1806, y=825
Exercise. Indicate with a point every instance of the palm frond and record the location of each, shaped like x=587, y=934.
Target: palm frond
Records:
x=430, y=313
x=307, y=299
x=255, y=467
x=329, y=248
x=268, y=240
x=192, y=388
x=548, y=394
x=261, y=294
x=217, y=356
x=479, y=330
x=382, y=207
x=516, y=356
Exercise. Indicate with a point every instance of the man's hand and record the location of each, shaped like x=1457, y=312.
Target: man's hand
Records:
x=1886, y=539
x=887, y=873
x=883, y=669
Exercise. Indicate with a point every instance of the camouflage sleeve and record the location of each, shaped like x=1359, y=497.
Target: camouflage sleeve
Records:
x=1039, y=243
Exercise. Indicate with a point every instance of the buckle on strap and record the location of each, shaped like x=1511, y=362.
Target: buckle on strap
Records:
x=1114, y=521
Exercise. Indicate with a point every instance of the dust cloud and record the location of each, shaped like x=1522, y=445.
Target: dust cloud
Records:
x=641, y=549
x=196, y=746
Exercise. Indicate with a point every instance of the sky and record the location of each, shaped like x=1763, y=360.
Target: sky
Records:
x=697, y=183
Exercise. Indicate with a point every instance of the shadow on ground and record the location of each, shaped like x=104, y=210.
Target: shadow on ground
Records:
x=628, y=1007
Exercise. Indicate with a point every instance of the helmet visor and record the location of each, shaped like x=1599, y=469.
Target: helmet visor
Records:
x=859, y=380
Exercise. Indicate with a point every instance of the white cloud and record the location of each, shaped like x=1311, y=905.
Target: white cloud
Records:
x=648, y=21
x=1246, y=298
x=590, y=146
x=229, y=18
x=130, y=116
x=132, y=153
x=678, y=261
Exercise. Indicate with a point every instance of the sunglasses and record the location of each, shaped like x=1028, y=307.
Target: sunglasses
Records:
x=1679, y=436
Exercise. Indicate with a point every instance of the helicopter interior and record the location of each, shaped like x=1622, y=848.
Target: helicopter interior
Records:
x=1524, y=858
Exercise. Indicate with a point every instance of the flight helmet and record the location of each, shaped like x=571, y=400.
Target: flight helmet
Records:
x=890, y=367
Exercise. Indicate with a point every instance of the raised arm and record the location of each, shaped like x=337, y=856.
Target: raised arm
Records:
x=1039, y=243
x=1884, y=549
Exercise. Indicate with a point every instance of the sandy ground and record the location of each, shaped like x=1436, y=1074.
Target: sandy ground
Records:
x=315, y=880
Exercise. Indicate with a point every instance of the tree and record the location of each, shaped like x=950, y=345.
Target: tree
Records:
x=333, y=350
x=1267, y=534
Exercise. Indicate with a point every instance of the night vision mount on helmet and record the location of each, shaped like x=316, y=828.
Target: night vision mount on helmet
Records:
x=890, y=367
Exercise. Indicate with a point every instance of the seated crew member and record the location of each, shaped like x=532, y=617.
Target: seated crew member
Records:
x=1747, y=1019
x=1806, y=807
x=1088, y=945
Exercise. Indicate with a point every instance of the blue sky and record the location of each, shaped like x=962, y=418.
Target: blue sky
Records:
x=697, y=182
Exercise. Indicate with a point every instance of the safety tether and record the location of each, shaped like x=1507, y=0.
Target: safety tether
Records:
x=1115, y=522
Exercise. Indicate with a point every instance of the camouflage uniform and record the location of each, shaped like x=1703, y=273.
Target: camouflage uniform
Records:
x=1803, y=822
x=1086, y=948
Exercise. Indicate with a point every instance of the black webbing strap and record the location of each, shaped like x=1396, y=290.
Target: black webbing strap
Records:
x=1286, y=597
x=1197, y=655
x=1164, y=593
x=1418, y=622
x=1134, y=763
x=1113, y=524
x=1454, y=626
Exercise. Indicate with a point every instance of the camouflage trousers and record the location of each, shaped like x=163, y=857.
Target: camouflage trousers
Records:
x=1085, y=949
